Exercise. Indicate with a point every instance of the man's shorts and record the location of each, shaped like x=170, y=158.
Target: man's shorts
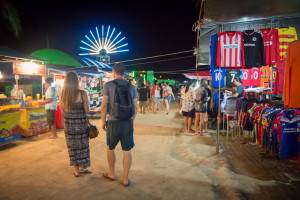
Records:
x=118, y=130
x=51, y=117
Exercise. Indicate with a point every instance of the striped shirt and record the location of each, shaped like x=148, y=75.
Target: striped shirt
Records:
x=230, y=49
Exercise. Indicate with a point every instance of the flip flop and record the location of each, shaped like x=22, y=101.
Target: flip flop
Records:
x=126, y=185
x=85, y=171
x=76, y=175
x=105, y=175
x=52, y=137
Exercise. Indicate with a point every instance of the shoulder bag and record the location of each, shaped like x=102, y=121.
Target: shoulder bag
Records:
x=92, y=128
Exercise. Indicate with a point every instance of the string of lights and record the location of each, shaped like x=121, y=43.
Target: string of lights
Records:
x=154, y=56
x=159, y=61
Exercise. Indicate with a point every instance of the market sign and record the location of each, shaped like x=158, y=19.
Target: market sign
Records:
x=59, y=79
x=10, y=129
x=28, y=68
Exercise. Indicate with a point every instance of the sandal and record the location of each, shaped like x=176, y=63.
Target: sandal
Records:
x=85, y=171
x=76, y=175
x=52, y=137
x=126, y=185
x=105, y=175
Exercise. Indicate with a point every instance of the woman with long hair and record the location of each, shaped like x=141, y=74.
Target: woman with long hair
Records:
x=188, y=108
x=201, y=98
x=168, y=94
x=74, y=102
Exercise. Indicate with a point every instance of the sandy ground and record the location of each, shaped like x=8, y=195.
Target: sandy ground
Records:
x=166, y=165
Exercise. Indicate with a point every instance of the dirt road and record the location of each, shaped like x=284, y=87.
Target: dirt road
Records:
x=166, y=165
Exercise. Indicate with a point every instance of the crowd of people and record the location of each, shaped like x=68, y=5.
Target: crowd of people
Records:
x=194, y=104
x=155, y=97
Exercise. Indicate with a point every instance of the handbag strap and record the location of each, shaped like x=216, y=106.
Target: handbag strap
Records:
x=83, y=106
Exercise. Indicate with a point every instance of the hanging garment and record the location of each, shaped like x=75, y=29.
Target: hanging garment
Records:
x=272, y=76
x=265, y=76
x=271, y=45
x=280, y=70
x=292, y=76
x=213, y=51
x=215, y=77
x=254, y=49
x=230, y=49
x=230, y=75
x=255, y=76
x=286, y=36
x=246, y=77
x=287, y=128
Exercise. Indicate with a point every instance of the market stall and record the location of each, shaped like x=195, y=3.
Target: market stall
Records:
x=254, y=49
x=19, y=112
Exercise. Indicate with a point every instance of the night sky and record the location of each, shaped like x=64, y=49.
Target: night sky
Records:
x=151, y=27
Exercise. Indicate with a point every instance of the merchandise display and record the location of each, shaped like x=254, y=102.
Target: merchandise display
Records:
x=254, y=49
x=271, y=45
x=230, y=49
x=291, y=77
x=286, y=36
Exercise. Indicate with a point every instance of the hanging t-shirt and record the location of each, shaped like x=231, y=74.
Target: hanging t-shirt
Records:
x=230, y=75
x=271, y=45
x=246, y=77
x=254, y=49
x=287, y=126
x=286, y=35
x=213, y=51
x=255, y=76
x=230, y=49
x=292, y=76
x=272, y=76
x=215, y=77
x=279, y=80
x=265, y=76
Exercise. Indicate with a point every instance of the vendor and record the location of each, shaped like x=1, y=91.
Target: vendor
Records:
x=17, y=92
x=50, y=106
x=239, y=90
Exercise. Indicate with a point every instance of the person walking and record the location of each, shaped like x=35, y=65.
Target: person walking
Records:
x=168, y=94
x=118, y=130
x=74, y=103
x=50, y=106
x=143, y=93
x=160, y=99
x=148, y=96
x=155, y=96
x=188, y=108
x=201, y=98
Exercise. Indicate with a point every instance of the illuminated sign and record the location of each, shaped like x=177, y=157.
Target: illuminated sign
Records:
x=28, y=68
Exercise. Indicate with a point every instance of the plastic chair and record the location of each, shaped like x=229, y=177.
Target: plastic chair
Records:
x=229, y=112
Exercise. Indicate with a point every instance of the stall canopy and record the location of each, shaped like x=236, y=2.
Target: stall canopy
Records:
x=237, y=10
x=200, y=75
x=54, y=56
x=81, y=71
x=236, y=13
x=10, y=55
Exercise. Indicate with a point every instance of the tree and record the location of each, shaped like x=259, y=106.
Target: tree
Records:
x=10, y=17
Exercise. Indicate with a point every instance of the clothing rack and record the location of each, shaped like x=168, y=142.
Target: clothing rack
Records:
x=229, y=27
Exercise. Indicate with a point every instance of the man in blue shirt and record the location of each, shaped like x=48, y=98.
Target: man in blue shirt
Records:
x=50, y=106
x=239, y=90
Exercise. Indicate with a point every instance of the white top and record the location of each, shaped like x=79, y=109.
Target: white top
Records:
x=187, y=100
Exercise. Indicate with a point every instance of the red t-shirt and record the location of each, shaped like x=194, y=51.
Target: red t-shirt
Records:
x=246, y=77
x=255, y=76
x=271, y=44
x=279, y=80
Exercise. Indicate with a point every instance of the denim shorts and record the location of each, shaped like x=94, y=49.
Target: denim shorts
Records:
x=169, y=98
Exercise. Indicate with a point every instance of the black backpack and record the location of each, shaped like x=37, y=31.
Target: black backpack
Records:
x=123, y=107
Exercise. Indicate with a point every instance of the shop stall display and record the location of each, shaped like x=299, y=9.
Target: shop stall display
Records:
x=10, y=128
